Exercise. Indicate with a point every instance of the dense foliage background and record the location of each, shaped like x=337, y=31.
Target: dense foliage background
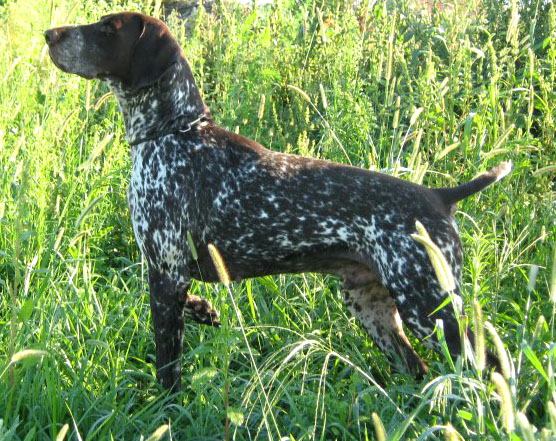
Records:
x=434, y=92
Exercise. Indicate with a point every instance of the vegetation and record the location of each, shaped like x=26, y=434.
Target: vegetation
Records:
x=431, y=93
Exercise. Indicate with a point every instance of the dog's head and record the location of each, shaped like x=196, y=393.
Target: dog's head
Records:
x=129, y=47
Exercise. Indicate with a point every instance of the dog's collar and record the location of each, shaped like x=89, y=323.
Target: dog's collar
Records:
x=188, y=127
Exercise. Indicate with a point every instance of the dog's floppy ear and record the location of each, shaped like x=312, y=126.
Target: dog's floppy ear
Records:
x=154, y=52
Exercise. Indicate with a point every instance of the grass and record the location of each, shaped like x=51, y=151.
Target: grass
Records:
x=433, y=95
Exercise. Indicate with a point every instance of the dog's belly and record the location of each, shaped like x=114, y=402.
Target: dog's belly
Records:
x=331, y=260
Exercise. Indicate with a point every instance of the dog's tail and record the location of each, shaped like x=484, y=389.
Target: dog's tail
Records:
x=452, y=195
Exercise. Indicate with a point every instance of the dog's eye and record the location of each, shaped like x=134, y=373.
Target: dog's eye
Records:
x=107, y=28
x=111, y=26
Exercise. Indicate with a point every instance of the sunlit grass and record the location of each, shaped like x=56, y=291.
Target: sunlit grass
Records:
x=434, y=96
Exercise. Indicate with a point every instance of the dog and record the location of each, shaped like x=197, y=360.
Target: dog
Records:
x=194, y=183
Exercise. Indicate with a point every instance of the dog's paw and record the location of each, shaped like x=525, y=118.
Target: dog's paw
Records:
x=201, y=311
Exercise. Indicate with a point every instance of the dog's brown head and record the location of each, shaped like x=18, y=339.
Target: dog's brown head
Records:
x=130, y=47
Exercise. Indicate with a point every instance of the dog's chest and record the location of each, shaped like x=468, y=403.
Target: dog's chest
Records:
x=158, y=206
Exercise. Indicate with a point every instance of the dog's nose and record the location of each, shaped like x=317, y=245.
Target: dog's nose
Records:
x=52, y=36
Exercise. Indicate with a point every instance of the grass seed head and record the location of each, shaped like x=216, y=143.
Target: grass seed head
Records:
x=379, y=427
x=500, y=351
x=439, y=262
x=159, y=433
x=480, y=349
x=552, y=289
x=260, y=114
x=451, y=434
x=192, y=247
x=218, y=261
x=28, y=353
x=506, y=408
x=62, y=433
x=526, y=429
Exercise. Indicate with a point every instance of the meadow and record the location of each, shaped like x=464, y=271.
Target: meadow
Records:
x=432, y=92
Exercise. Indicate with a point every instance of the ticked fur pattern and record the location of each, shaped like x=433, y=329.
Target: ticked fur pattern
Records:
x=270, y=213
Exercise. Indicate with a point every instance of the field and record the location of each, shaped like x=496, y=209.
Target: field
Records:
x=432, y=93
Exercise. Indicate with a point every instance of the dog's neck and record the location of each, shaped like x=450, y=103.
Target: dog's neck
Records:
x=169, y=105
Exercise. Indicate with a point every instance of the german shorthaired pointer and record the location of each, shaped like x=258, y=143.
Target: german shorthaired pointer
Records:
x=266, y=212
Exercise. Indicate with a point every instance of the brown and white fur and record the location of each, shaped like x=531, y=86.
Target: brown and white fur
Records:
x=267, y=212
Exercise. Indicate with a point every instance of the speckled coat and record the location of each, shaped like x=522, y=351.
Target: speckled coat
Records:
x=266, y=212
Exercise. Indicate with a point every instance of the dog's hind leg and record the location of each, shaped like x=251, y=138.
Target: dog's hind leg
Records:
x=371, y=303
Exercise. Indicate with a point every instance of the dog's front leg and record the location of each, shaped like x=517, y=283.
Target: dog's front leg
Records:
x=167, y=312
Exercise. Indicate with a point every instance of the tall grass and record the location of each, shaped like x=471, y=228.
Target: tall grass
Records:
x=431, y=93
